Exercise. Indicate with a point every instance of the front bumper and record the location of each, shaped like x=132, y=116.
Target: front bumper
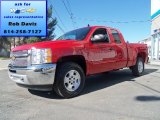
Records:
x=37, y=77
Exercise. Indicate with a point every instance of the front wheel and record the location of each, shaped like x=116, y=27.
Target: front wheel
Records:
x=138, y=68
x=70, y=80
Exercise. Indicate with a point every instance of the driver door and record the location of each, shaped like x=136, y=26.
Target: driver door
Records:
x=102, y=53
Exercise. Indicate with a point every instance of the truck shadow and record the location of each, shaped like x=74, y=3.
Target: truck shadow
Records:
x=98, y=82
x=101, y=81
x=147, y=98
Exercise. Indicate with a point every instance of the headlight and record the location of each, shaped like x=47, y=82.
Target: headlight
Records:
x=40, y=56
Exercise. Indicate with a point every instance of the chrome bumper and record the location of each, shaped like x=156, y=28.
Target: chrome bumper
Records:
x=37, y=77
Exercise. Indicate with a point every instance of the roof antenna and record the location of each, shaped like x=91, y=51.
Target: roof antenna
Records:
x=88, y=25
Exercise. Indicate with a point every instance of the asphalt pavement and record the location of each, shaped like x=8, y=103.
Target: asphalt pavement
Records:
x=4, y=64
x=114, y=96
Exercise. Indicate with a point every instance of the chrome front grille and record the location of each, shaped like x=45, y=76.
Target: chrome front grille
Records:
x=20, y=58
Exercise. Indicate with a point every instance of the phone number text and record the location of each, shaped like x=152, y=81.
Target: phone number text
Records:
x=23, y=31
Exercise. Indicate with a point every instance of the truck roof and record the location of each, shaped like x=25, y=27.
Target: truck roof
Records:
x=96, y=26
x=101, y=26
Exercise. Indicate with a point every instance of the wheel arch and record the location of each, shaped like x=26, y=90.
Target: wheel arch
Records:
x=142, y=55
x=78, y=59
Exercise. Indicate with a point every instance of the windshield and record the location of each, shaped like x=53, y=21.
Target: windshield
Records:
x=78, y=34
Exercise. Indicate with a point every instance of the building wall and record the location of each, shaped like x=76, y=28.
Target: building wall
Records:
x=155, y=15
x=155, y=6
x=155, y=29
x=155, y=25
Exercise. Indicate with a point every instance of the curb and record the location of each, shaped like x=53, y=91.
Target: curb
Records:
x=153, y=64
x=3, y=69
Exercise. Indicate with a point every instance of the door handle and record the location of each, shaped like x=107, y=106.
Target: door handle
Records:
x=120, y=55
x=111, y=48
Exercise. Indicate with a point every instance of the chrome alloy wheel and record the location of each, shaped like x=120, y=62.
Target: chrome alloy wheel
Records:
x=72, y=80
x=140, y=66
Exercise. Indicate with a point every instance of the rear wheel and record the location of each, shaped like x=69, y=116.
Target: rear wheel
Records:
x=138, y=68
x=70, y=80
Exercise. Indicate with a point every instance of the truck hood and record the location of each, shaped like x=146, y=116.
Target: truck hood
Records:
x=46, y=44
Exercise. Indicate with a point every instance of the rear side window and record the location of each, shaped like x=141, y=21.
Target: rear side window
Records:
x=116, y=36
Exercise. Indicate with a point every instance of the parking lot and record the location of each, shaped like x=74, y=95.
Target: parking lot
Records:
x=111, y=96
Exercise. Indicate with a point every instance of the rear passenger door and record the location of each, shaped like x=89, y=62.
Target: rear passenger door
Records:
x=121, y=49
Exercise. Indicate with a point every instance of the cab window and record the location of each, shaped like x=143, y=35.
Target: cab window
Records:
x=100, y=36
x=116, y=36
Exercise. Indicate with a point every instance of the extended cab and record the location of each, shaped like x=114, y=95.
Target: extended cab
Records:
x=63, y=64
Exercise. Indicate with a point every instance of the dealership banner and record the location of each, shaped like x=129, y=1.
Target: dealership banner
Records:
x=23, y=18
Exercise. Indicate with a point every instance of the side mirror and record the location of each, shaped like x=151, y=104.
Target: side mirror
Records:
x=98, y=38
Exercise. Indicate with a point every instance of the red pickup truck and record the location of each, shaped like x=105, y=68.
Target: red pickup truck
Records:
x=63, y=64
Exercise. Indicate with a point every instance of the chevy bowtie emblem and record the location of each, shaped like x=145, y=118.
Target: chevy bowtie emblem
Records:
x=13, y=58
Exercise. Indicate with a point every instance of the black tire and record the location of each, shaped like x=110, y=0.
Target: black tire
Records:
x=135, y=69
x=60, y=85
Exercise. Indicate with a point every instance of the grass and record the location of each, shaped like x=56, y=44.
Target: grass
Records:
x=4, y=58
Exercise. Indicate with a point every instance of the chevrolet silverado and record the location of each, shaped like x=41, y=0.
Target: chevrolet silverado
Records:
x=63, y=64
